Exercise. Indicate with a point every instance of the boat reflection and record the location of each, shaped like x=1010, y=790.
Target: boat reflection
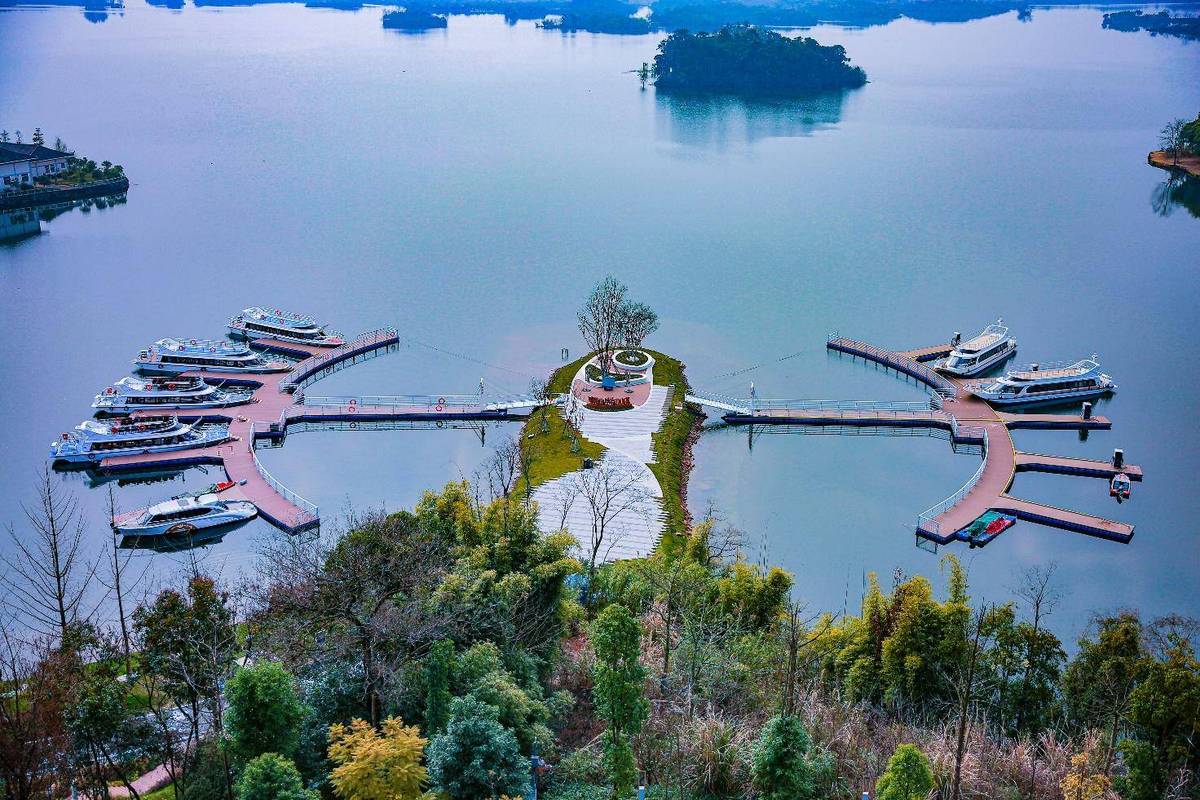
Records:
x=182, y=542
x=717, y=121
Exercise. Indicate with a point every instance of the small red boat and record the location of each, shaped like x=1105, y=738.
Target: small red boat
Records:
x=1120, y=487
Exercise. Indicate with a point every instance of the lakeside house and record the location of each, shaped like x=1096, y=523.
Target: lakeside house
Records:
x=21, y=164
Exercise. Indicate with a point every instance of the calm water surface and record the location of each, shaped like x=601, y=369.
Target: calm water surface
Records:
x=469, y=186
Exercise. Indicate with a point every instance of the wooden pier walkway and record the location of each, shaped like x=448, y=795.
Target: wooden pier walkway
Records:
x=273, y=406
x=970, y=420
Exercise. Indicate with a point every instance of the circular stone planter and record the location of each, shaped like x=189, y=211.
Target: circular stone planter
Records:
x=628, y=366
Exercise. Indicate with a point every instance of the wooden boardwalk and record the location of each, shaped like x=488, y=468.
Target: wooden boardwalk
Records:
x=273, y=406
x=970, y=420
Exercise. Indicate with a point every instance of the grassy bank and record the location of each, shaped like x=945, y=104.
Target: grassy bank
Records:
x=549, y=454
x=671, y=441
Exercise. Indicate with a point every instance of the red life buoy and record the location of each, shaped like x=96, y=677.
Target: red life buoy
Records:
x=441, y=401
x=353, y=401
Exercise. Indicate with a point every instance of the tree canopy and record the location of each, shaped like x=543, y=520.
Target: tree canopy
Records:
x=745, y=59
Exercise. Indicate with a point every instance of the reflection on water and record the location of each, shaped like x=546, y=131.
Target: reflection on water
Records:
x=25, y=223
x=93, y=10
x=1178, y=190
x=187, y=541
x=708, y=120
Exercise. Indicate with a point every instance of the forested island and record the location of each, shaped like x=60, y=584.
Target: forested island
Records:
x=1162, y=23
x=413, y=19
x=747, y=59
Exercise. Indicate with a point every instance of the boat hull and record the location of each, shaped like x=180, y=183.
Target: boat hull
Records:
x=235, y=511
x=160, y=368
x=319, y=341
x=127, y=408
x=200, y=438
x=1044, y=399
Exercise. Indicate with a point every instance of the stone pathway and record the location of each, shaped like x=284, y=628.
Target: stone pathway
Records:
x=634, y=532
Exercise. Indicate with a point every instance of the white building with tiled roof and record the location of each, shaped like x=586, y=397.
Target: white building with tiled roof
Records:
x=20, y=164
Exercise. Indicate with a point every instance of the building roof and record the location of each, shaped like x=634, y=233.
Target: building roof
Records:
x=10, y=152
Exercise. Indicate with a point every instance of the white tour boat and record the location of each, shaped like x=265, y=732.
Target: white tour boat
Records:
x=134, y=393
x=171, y=356
x=93, y=440
x=183, y=515
x=263, y=323
x=1053, y=382
x=979, y=353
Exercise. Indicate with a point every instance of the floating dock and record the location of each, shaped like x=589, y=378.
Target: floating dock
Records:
x=279, y=401
x=970, y=420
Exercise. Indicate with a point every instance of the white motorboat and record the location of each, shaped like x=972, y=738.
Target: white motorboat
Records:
x=286, y=326
x=1052, y=382
x=171, y=356
x=135, y=393
x=979, y=353
x=183, y=515
x=94, y=440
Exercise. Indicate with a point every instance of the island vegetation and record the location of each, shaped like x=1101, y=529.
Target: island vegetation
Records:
x=746, y=59
x=445, y=648
x=1162, y=23
x=413, y=19
x=1179, y=141
x=80, y=169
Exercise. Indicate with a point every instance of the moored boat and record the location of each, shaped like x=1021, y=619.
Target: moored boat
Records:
x=262, y=323
x=1052, y=383
x=182, y=515
x=93, y=440
x=1120, y=486
x=134, y=393
x=170, y=356
x=979, y=353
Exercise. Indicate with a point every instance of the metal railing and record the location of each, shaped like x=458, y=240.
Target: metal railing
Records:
x=308, y=510
x=894, y=360
x=750, y=405
x=318, y=366
x=926, y=519
x=396, y=401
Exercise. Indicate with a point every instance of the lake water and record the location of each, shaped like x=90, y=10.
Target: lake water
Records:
x=470, y=185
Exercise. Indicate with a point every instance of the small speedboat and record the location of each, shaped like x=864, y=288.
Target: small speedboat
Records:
x=266, y=323
x=183, y=515
x=1051, y=383
x=1120, y=487
x=979, y=353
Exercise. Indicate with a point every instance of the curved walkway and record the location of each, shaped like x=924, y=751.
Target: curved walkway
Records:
x=264, y=416
x=970, y=420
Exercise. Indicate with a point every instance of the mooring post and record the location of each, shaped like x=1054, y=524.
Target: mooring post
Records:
x=956, y=339
x=1087, y=410
x=1118, y=458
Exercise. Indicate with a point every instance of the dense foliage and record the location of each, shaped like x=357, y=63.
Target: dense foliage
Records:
x=1164, y=23
x=439, y=649
x=745, y=59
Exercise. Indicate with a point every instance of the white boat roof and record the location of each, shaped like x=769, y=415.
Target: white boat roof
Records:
x=182, y=503
x=985, y=339
x=1056, y=371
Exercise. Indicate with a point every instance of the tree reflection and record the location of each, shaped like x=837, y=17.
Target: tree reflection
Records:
x=1178, y=190
x=718, y=120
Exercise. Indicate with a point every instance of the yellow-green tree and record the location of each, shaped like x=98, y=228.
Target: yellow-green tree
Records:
x=1082, y=782
x=377, y=766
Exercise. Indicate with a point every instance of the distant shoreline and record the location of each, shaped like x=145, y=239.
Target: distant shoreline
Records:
x=1189, y=164
x=45, y=195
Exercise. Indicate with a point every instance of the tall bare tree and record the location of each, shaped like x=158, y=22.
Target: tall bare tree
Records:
x=637, y=321
x=609, y=489
x=1172, y=138
x=47, y=572
x=600, y=317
